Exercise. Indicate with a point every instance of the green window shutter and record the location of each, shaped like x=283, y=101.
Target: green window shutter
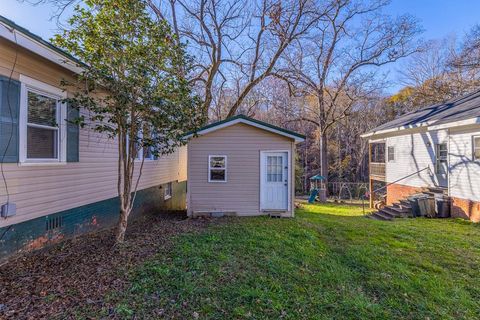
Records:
x=73, y=131
x=9, y=111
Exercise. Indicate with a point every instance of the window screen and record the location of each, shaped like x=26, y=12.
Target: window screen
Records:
x=217, y=168
x=442, y=156
x=42, y=128
x=476, y=148
x=391, y=154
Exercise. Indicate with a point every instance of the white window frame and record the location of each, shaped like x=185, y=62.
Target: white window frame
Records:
x=168, y=187
x=475, y=147
x=439, y=159
x=210, y=168
x=140, y=152
x=394, y=154
x=32, y=85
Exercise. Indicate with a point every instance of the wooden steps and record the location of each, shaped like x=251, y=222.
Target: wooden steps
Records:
x=403, y=209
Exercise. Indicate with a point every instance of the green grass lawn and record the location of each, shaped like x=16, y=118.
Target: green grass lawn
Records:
x=328, y=263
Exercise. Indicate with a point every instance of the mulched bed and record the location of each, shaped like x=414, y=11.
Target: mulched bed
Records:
x=52, y=282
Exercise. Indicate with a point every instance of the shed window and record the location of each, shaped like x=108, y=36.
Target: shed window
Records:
x=391, y=154
x=442, y=156
x=476, y=148
x=217, y=168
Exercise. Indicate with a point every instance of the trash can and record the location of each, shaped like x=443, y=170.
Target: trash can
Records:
x=421, y=205
x=427, y=206
x=442, y=207
x=414, y=204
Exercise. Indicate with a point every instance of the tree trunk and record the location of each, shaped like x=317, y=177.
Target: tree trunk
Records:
x=323, y=156
x=122, y=225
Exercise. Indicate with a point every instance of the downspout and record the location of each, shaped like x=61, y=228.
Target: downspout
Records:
x=448, y=162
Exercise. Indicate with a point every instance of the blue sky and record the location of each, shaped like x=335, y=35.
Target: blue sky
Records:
x=439, y=18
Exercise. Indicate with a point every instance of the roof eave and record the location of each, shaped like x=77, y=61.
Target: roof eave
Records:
x=15, y=34
x=238, y=119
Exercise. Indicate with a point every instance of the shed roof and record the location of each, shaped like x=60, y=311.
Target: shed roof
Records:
x=456, y=109
x=248, y=121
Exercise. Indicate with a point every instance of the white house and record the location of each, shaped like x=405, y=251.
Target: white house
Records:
x=436, y=146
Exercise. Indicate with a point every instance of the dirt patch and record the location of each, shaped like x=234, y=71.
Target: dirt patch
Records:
x=52, y=282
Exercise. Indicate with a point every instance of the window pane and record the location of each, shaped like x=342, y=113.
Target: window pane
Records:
x=476, y=148
x=217, y=162
x=217, y=175
x=42, y=110
x=391, y=153
x=41, y=143
x=477, y=154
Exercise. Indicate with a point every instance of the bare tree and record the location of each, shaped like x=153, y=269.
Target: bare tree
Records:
x=336, y=63
x=235, y=43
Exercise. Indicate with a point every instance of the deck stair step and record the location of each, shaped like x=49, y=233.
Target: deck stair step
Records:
x=403, y=208
x=396, y=210
x=379, y=215
x=435, y=190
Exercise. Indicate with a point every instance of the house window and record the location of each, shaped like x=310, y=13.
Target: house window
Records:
x=391, y=154
x=168, y=191
x=476, y=148
x=274, y=168
x=217, y=168
x=442, y=156
x=42, y=122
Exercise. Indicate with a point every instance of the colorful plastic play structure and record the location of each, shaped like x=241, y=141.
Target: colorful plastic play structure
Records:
x=317, y=189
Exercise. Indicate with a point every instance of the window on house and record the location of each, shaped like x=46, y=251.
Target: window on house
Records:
x=217, y=168
x=42, y=124
x=476, y=148
x=146, y=153
x=442, y=156
x=168, y=191
x=391, y=154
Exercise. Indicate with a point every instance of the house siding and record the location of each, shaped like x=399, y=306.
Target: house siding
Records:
x=241, y=144
x=464, y=171
x=40, y=190
x=412, y=154
x=37, y=233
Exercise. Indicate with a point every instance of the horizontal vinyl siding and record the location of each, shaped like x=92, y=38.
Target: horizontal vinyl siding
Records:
x=412, y=154
x=38, y=190
x=242, y=145
x=464, y=172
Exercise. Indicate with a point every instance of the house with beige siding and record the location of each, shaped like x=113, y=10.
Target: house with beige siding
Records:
x=241, y=166
x=57, y=179
x=434, y=147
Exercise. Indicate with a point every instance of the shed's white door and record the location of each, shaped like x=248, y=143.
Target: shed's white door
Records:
x=274, y=183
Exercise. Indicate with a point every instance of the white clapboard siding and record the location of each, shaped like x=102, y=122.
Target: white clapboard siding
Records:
x=464, y=171
x=414, y=152
x=39, y=190
x=241, y=144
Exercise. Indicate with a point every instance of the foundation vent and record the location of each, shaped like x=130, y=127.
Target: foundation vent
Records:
x=54, y=223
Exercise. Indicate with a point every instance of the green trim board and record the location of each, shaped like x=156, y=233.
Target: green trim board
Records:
x=247, y=119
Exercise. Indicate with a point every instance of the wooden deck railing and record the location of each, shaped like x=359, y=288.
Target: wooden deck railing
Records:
x=377, y=169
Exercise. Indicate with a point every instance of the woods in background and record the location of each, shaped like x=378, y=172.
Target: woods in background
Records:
x=316, y=67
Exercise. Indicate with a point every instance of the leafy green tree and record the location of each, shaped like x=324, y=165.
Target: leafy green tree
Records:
x=132, y=86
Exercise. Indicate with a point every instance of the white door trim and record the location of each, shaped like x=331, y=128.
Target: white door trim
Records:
x=289, y=177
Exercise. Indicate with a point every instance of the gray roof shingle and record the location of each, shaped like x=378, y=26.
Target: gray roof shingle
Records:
x=461, y=108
